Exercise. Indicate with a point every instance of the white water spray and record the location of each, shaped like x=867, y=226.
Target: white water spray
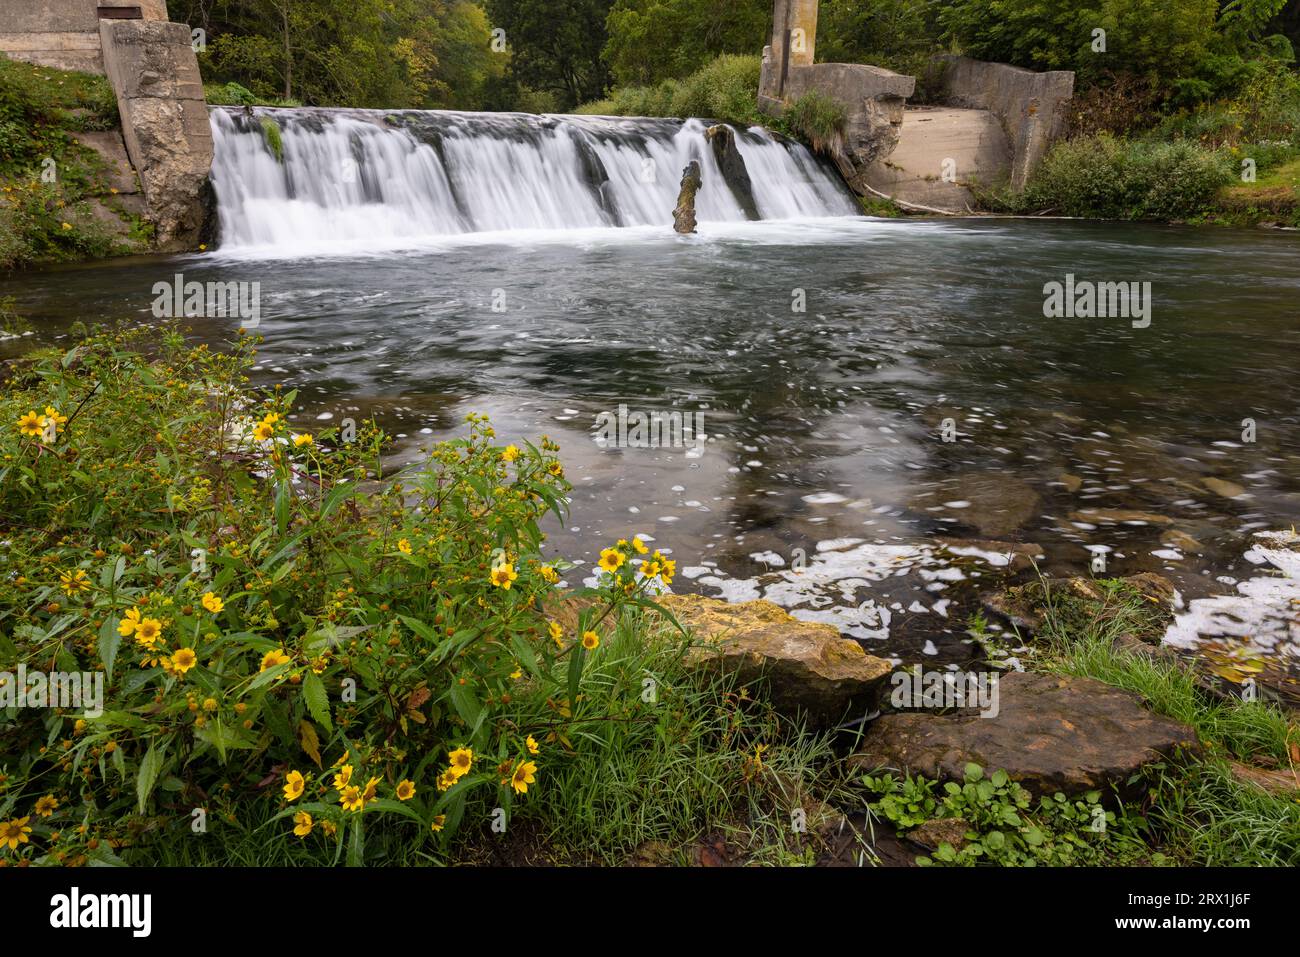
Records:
x=358, y=175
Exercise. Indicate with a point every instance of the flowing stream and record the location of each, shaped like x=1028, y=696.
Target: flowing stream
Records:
x=417, y=267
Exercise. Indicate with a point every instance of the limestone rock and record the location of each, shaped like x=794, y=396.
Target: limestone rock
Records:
x=1275, y=782
x=1182, y=541
x=808, y=667
x=1051, y=733
x=1223, y=487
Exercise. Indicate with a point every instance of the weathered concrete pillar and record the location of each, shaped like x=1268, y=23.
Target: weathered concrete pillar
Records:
x=802, y=24
x=155, y=74
x=793, y=44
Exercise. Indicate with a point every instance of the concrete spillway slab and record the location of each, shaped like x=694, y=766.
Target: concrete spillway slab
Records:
x=941, y=150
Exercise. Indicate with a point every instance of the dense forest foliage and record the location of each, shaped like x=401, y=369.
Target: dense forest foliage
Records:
x=557, y=54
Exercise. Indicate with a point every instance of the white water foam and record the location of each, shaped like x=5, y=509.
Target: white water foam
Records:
x=361, y=178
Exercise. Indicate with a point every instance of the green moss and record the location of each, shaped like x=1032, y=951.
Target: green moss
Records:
x=271, y=135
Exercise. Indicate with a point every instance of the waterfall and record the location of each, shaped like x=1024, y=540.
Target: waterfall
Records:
x=392, y=176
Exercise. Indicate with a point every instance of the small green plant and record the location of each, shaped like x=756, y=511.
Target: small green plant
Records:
x=271, y=135
x=815, y=118
x=1003, y=825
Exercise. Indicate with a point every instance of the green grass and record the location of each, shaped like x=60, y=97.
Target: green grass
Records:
x=671, y=776
x=1199, y=812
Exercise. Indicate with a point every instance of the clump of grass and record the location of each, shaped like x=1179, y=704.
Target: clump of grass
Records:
x=1199, y=812
x=815, y=118
x=702, y=758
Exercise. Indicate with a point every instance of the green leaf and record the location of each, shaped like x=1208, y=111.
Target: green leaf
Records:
x=318, y=704
x=575, y=674
x=225, y=737
x=525, y=654
x=973, y=772
x=269, y=675
x=420, y=628
x=357, y=845
x=148, y=774
x=109, y=642
x=464, y=703
x=283, y=498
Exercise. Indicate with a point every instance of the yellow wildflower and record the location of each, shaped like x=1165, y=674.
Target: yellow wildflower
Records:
x=504, y=575
x=273, y=658
x=461, y=759
x=31, y=424
x=294, y=784
x=524, y=775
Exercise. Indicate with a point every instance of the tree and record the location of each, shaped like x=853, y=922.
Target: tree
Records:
x=653, y=40
x=555, y=45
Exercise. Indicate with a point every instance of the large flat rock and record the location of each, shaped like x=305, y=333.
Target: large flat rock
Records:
x=808, y=667
x=1051, y=733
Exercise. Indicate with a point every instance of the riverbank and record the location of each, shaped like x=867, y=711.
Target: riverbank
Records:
x=67, y=191
x=401, y=686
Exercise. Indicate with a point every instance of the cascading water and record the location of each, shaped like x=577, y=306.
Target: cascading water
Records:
x=361, y=175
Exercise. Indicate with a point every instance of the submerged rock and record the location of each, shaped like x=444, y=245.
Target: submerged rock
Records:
x=994, y=505
x=808, y=667
x=1051, y=733
x=684, y=214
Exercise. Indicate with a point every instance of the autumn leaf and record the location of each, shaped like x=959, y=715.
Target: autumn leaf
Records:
x=309, y=740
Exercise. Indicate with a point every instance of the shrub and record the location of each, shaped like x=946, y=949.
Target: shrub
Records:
x=273, y=628
x=724, y=89
x=1109, y=178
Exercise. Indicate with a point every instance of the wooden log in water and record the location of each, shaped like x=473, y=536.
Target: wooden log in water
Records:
x=684, y=214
